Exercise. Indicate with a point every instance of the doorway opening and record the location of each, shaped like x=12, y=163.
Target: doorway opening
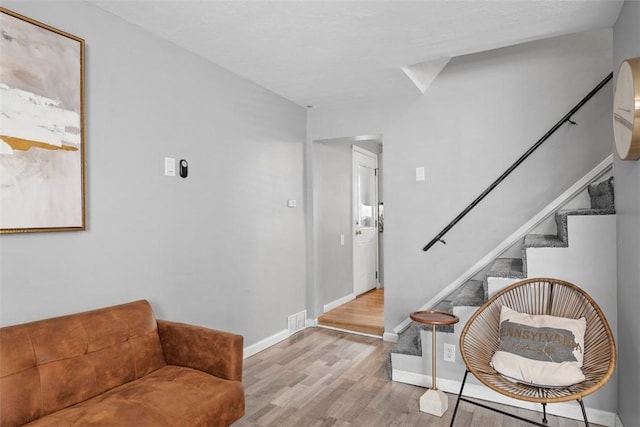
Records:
x=348, y=238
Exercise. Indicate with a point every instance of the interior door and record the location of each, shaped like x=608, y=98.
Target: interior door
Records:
x=365, y=220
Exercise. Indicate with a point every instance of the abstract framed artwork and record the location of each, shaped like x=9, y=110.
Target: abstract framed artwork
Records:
x=42, y=144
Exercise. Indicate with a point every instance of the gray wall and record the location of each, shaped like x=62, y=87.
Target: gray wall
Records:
x=219, y=248
x=626, y=44
x=479, y=115
x=332, y=192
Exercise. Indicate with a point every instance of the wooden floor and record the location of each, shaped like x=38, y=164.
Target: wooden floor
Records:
x=364, y=314
x=320, y=377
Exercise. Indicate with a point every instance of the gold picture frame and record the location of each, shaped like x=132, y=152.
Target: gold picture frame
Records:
x=42, y=127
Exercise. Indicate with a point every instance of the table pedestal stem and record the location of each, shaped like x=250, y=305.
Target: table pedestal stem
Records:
x=433, y=357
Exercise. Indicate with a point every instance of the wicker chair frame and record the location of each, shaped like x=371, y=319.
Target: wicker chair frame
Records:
x=480, y=338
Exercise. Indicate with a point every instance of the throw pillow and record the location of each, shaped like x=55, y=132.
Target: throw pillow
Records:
x=540, y=350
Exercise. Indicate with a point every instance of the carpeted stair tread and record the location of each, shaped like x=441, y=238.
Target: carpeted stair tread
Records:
x=587, y=211
x=543, y=241
x=470, y=294
x=445, y=305
x=602, y=195
x=507, y=267
x=409, y=341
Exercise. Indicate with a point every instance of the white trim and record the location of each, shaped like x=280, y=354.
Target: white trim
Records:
x=549, y=210
x=275, y=339
x=477, y=391
x=333, y=304
x=406, y=322
x=364, y=151
x=618, y=422
x=390, y=337
x=349, y=331
x=267, y=342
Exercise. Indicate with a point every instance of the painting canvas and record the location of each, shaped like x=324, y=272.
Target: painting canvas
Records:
x=41, y=127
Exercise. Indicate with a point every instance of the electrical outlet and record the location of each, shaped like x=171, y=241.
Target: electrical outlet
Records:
x=449, y=353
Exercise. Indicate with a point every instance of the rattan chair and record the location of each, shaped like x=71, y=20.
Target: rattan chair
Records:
x=480, y=338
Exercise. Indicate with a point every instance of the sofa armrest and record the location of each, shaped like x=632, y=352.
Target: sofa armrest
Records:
x=216, y=352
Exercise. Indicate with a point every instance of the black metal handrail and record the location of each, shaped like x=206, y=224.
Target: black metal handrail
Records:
x=494, y=184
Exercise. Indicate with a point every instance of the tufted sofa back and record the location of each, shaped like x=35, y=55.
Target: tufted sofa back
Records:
x=55, y=363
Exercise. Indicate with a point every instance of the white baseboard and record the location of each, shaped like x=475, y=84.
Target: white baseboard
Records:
x=345, y=299
x=567, y=409
x=266, y=343
x=552, y=207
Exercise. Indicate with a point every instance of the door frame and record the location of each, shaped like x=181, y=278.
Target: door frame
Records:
x=355, y=149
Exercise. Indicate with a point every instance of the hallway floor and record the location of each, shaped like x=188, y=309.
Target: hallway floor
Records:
x=365, y=314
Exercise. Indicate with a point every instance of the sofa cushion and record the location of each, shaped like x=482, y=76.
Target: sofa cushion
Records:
x=55, y=363
x=204, y=400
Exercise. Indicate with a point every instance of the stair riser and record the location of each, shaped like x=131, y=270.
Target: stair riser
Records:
x=496, y=284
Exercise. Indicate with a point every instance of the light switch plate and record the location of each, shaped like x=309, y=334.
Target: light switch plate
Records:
x=420, y=174
x=169, y=166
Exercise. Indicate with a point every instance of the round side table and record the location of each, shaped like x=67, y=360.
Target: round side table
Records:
x=434, y=401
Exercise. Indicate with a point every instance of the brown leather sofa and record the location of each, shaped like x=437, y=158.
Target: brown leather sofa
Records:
x=118, y=366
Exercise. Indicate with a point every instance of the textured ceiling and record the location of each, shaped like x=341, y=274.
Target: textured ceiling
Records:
x=319, y=52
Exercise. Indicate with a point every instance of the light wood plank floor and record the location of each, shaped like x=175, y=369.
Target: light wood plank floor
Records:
x=320, y=377
x=364, y=314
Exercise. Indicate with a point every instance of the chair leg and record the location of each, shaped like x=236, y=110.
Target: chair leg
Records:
x=584, y=413
x=464, y=380
x=544, y=413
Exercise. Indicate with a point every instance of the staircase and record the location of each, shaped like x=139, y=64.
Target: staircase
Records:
x=581, y=251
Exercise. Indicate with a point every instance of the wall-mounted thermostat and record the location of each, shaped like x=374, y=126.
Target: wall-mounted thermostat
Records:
x=184, y=168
